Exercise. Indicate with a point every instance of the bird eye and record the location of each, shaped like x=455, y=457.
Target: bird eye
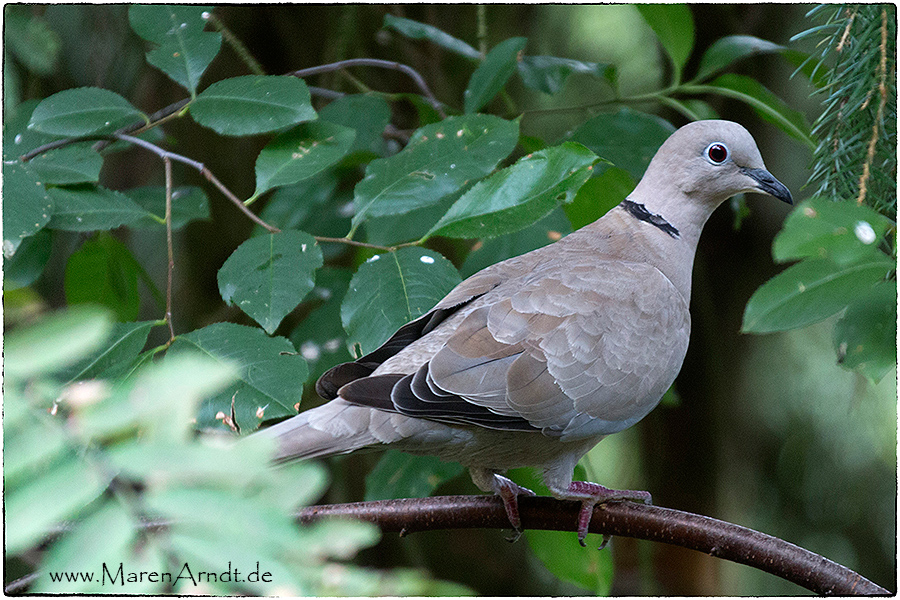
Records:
x=717, y=153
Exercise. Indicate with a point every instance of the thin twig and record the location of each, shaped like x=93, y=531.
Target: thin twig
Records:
x=237, y=45
x=170, y=268
x=375, y=62
x=626, y=519
x=350, y=242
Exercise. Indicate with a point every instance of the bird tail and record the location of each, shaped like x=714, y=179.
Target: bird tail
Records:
x=336, y=427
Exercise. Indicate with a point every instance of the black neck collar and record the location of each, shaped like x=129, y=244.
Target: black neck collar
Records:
x=640, y=212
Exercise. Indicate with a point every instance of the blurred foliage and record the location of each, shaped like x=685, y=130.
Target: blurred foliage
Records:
x=142, y=409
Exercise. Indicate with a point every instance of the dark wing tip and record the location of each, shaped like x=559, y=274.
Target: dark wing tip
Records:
x=336, y=377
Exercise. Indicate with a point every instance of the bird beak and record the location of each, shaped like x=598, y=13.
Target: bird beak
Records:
x=765, y=182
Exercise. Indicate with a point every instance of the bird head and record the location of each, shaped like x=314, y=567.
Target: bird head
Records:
x=712, y=161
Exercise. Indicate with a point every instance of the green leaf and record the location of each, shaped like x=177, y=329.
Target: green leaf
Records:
x=866, y=336
x=47, y=499
x=401, y=475
x=674, y=27
x=320, y=338
x=270, y=373
x=587, y=568
x=31, y=40
x=110, y=531
x=186, y=376
x=189, y=203
x=28, y=263
x=253, y=104
x=730, y=49
x=810, y=291
x=598, y=196
x=488, y=252
x=420, y=31
x=493, y=73
x=31, y=446
x=300, y=153
x=26, y=205
x=56, y=342
x=520, y=194
x=767, y=105
x=116, y=356
x=104, y=272
x=548, y=74
x=367, y=114
x=391, y=289
x=82, y=111
x=89, y=208
x=269, y=275
x=844, y=232
x=77, y=163
x=184, y=50
x=628, y=139
x=439, y=160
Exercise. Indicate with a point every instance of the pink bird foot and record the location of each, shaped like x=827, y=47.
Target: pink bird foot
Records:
x=591, y=494
x=509, y=492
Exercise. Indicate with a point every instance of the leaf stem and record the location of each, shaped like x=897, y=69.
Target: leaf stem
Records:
x=237, y=45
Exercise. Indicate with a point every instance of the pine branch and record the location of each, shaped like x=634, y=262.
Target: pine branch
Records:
x=626, y=519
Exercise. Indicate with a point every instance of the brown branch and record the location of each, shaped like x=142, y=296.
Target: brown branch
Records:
x=626, y=519
x=170, y=267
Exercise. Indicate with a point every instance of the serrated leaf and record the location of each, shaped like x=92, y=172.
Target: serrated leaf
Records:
x=104, y=272
x=184, y=50
x=730, y=49
x=810, y=291
x=28, y=262
x=866, y=336
x=391, y=289
x=32, y=509
x=253, y=104
x=843, y=232
x=189, y=203
x=674, y=27
x=598, y=196
x=300, y=153
x=439, y=160
x=492, y=74
x=520, y=194
x=270, y=373
x=269, y=275
x=548, y=74
x=627, y=138
x=367, y=114
x=26, y=205
x=115, y=357
x=89, y=208
x=420, y=31
x=401, y=475
x=82, y=111
x=56, y=342
x=77, y=163
x=767, y=105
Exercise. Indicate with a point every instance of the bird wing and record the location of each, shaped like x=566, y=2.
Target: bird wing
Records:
x=332, y=380
x=584, y=351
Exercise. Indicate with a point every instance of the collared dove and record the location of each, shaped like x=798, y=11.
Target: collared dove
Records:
x=532, y=361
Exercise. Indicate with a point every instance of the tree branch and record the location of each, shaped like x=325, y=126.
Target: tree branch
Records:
x=627, y=519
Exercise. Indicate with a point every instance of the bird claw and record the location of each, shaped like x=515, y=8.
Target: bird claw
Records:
x=509, y=492
x=592, y=494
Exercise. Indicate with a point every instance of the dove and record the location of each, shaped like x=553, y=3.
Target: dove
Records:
x=534, y=360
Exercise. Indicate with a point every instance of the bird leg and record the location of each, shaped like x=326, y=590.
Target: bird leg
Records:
x=509, y=492
x=591, y=494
